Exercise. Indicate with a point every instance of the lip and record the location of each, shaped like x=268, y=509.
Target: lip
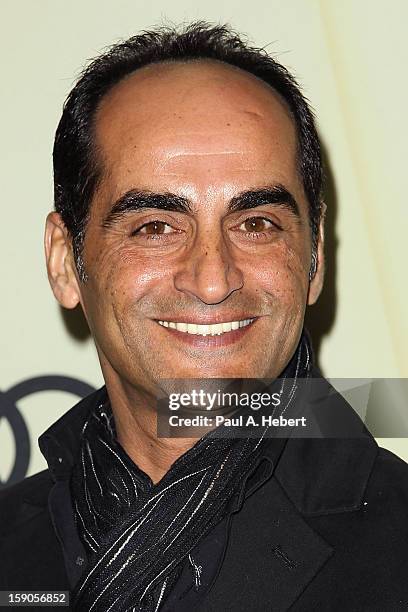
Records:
x=211, y=342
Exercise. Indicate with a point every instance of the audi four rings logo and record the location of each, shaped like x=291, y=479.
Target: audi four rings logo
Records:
x=9, y=410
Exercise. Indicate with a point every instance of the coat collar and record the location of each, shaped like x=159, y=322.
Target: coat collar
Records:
x=324, y=476
x=329, y=471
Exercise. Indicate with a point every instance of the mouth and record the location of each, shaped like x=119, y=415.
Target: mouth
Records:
x=209, y=329
x=208, y=335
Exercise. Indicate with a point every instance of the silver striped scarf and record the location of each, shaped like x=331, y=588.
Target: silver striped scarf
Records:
x=138, y=534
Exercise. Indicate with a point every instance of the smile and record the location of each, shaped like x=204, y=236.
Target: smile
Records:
x=212, y=329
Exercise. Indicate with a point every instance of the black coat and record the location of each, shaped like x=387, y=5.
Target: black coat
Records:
x=323, y=526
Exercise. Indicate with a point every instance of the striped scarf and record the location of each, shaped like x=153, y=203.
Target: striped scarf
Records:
x=137, y=534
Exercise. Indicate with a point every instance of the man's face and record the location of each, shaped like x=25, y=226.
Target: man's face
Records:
x=199, y=161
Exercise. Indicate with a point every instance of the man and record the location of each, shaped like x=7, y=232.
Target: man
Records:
x=189, y=226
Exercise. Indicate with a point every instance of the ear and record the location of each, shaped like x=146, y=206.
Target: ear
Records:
x=316, y=283
x=60, y=262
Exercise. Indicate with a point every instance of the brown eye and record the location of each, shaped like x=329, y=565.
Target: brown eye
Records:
x=256, y=224
x=155, y=227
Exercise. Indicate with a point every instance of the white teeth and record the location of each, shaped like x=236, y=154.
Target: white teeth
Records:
x=204, y=330
x=191, y=328
x=216, y=328
x=213, y=329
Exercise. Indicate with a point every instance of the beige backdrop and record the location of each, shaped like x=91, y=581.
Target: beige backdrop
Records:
x=350, y=58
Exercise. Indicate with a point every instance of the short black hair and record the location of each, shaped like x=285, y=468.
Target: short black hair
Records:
x=77, y=169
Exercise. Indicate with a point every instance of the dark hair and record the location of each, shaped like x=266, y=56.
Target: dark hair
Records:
x=76, y=167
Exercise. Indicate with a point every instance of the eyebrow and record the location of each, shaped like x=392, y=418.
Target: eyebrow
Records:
x=135, y=200
x=277, y=195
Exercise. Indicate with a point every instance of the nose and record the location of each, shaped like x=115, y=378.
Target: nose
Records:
x=208, y=272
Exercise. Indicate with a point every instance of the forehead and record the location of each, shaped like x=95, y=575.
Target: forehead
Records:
x=199, y=122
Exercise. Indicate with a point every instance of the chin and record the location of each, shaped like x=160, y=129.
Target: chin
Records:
x=236, y=372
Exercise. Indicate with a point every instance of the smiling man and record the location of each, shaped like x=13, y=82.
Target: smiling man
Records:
x=189, y=227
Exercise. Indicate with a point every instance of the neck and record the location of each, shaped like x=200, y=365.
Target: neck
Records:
x=136, y=427
x=137, y=434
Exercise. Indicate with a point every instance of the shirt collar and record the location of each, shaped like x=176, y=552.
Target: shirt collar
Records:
x=60, y=445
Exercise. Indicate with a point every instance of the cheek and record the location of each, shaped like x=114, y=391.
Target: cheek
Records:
x=283, y=274
x=123, y=270
x=121, y=282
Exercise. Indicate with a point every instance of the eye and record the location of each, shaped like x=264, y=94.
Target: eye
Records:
x=154, y=228
x=256, y=225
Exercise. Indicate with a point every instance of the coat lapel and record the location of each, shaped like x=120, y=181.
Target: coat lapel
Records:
x=271, y=557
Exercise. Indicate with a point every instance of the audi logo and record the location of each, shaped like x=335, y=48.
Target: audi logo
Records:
x=9, y=410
